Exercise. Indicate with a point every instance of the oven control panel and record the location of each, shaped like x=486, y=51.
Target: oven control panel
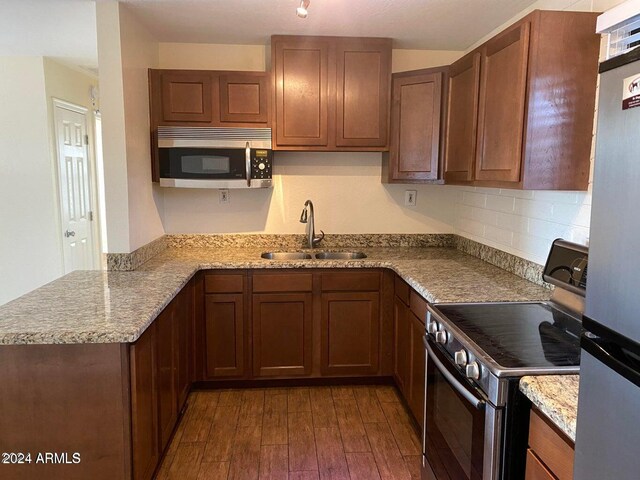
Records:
x=465, y=361
x=566, y=266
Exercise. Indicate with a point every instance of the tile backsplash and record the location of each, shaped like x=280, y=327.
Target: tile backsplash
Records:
x=523, y=223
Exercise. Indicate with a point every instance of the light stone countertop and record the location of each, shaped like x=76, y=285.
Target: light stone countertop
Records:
x=117, y=307
x=557, y=397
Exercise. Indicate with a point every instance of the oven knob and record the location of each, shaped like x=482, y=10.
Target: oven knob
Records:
x=262, y=166
x=461, y=358
x=432, y=328
x=441, y=336
x=473, y=370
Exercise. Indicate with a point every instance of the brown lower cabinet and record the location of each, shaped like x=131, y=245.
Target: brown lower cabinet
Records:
x=224, y=335
x=282, y=336
x=285, y=324
x=159, y=364
x=144, y=423
x=550, y=454
x=409, y=354
x=267, y=324
x=350, y=333
x=418, y=366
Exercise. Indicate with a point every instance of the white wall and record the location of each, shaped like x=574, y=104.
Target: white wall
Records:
x=139, y=53
x=133, y=204
x=526, y=222
x=403, y=60
x=345, y=187
x=30, y=247
x=114, y=149
x=203, y=56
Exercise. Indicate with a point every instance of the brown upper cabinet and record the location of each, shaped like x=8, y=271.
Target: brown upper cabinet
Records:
x=331, y=93
x=462, y=118
x=521, y=106
x=208, y=98
x=416, y=133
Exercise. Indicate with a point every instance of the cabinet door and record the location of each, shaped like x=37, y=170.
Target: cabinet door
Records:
x=415, y=126
x=183, y=324
x=302, y=87
x=462, y=119
x=165, y=374
x=418, y=365
x=503, y=88
x=350, y=333
x=402, y=345
x=535, y=469
x=244, y=98
x=186, y=97
x=362, y=92
x=282, y=334
x=224, y=332
x=144, y=419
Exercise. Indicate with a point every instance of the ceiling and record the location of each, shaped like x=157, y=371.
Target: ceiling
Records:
x=66, y=29
x=424, y=24
x=62, y=29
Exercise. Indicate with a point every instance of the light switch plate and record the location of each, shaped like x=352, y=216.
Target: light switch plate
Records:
x=223, y=196
x=410, y=198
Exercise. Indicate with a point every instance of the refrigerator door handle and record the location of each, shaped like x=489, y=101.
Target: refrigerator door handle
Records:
x=613, y=356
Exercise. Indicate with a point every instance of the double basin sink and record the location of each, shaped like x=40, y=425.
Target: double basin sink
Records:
x=317, y=256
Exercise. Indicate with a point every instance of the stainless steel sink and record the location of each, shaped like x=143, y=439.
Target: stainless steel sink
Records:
x=286, y=256
x=340, y=255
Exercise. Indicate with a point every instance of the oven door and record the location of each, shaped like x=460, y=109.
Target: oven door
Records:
x=461, y=427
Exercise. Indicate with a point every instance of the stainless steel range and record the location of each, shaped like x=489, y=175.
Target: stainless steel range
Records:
x=476, y=420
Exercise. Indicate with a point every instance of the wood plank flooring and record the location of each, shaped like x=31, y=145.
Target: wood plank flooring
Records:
x=300, y=433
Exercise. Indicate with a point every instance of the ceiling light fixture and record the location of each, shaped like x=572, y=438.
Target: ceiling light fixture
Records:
x=302, y=11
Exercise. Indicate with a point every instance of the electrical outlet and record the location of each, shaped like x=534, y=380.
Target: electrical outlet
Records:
x=410, y=198
x=223, y=196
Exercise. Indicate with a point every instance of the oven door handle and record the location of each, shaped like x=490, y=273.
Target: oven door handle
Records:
x=474, y=400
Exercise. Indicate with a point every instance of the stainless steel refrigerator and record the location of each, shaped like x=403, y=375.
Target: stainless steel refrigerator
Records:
x=608, y=429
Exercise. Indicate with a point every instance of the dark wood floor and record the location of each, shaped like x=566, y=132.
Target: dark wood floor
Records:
x=360, y=432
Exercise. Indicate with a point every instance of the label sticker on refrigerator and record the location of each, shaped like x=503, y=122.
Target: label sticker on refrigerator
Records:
x=631, y=92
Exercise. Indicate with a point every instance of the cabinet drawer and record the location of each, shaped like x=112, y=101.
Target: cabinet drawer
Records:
x=550, y=447
x=402, y=290
x=418, y=306
x=224, y=283
x=351, y=281
x=282, y=282
x=536, y=470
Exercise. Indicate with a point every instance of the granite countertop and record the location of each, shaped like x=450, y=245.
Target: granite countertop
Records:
x=557, y=397
x=117, y=307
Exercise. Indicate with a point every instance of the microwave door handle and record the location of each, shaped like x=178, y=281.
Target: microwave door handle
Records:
x=478, y=403
x=247, y=159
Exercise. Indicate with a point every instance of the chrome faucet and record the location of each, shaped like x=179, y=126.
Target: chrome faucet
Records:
x=308, y=218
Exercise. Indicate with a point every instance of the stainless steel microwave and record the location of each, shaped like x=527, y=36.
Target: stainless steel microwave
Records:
x=203, y=157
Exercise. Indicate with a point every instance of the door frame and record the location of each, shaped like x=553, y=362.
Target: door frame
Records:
x=57, y=104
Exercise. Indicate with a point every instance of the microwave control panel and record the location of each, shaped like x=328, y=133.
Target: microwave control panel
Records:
x=261, y=163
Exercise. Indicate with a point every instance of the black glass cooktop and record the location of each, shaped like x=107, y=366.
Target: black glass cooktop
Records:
x=519, y=335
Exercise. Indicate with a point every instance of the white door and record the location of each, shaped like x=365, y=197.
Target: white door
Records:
x=74, y=181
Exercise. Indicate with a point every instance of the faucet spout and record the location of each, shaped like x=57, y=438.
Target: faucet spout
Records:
x=307, y=217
